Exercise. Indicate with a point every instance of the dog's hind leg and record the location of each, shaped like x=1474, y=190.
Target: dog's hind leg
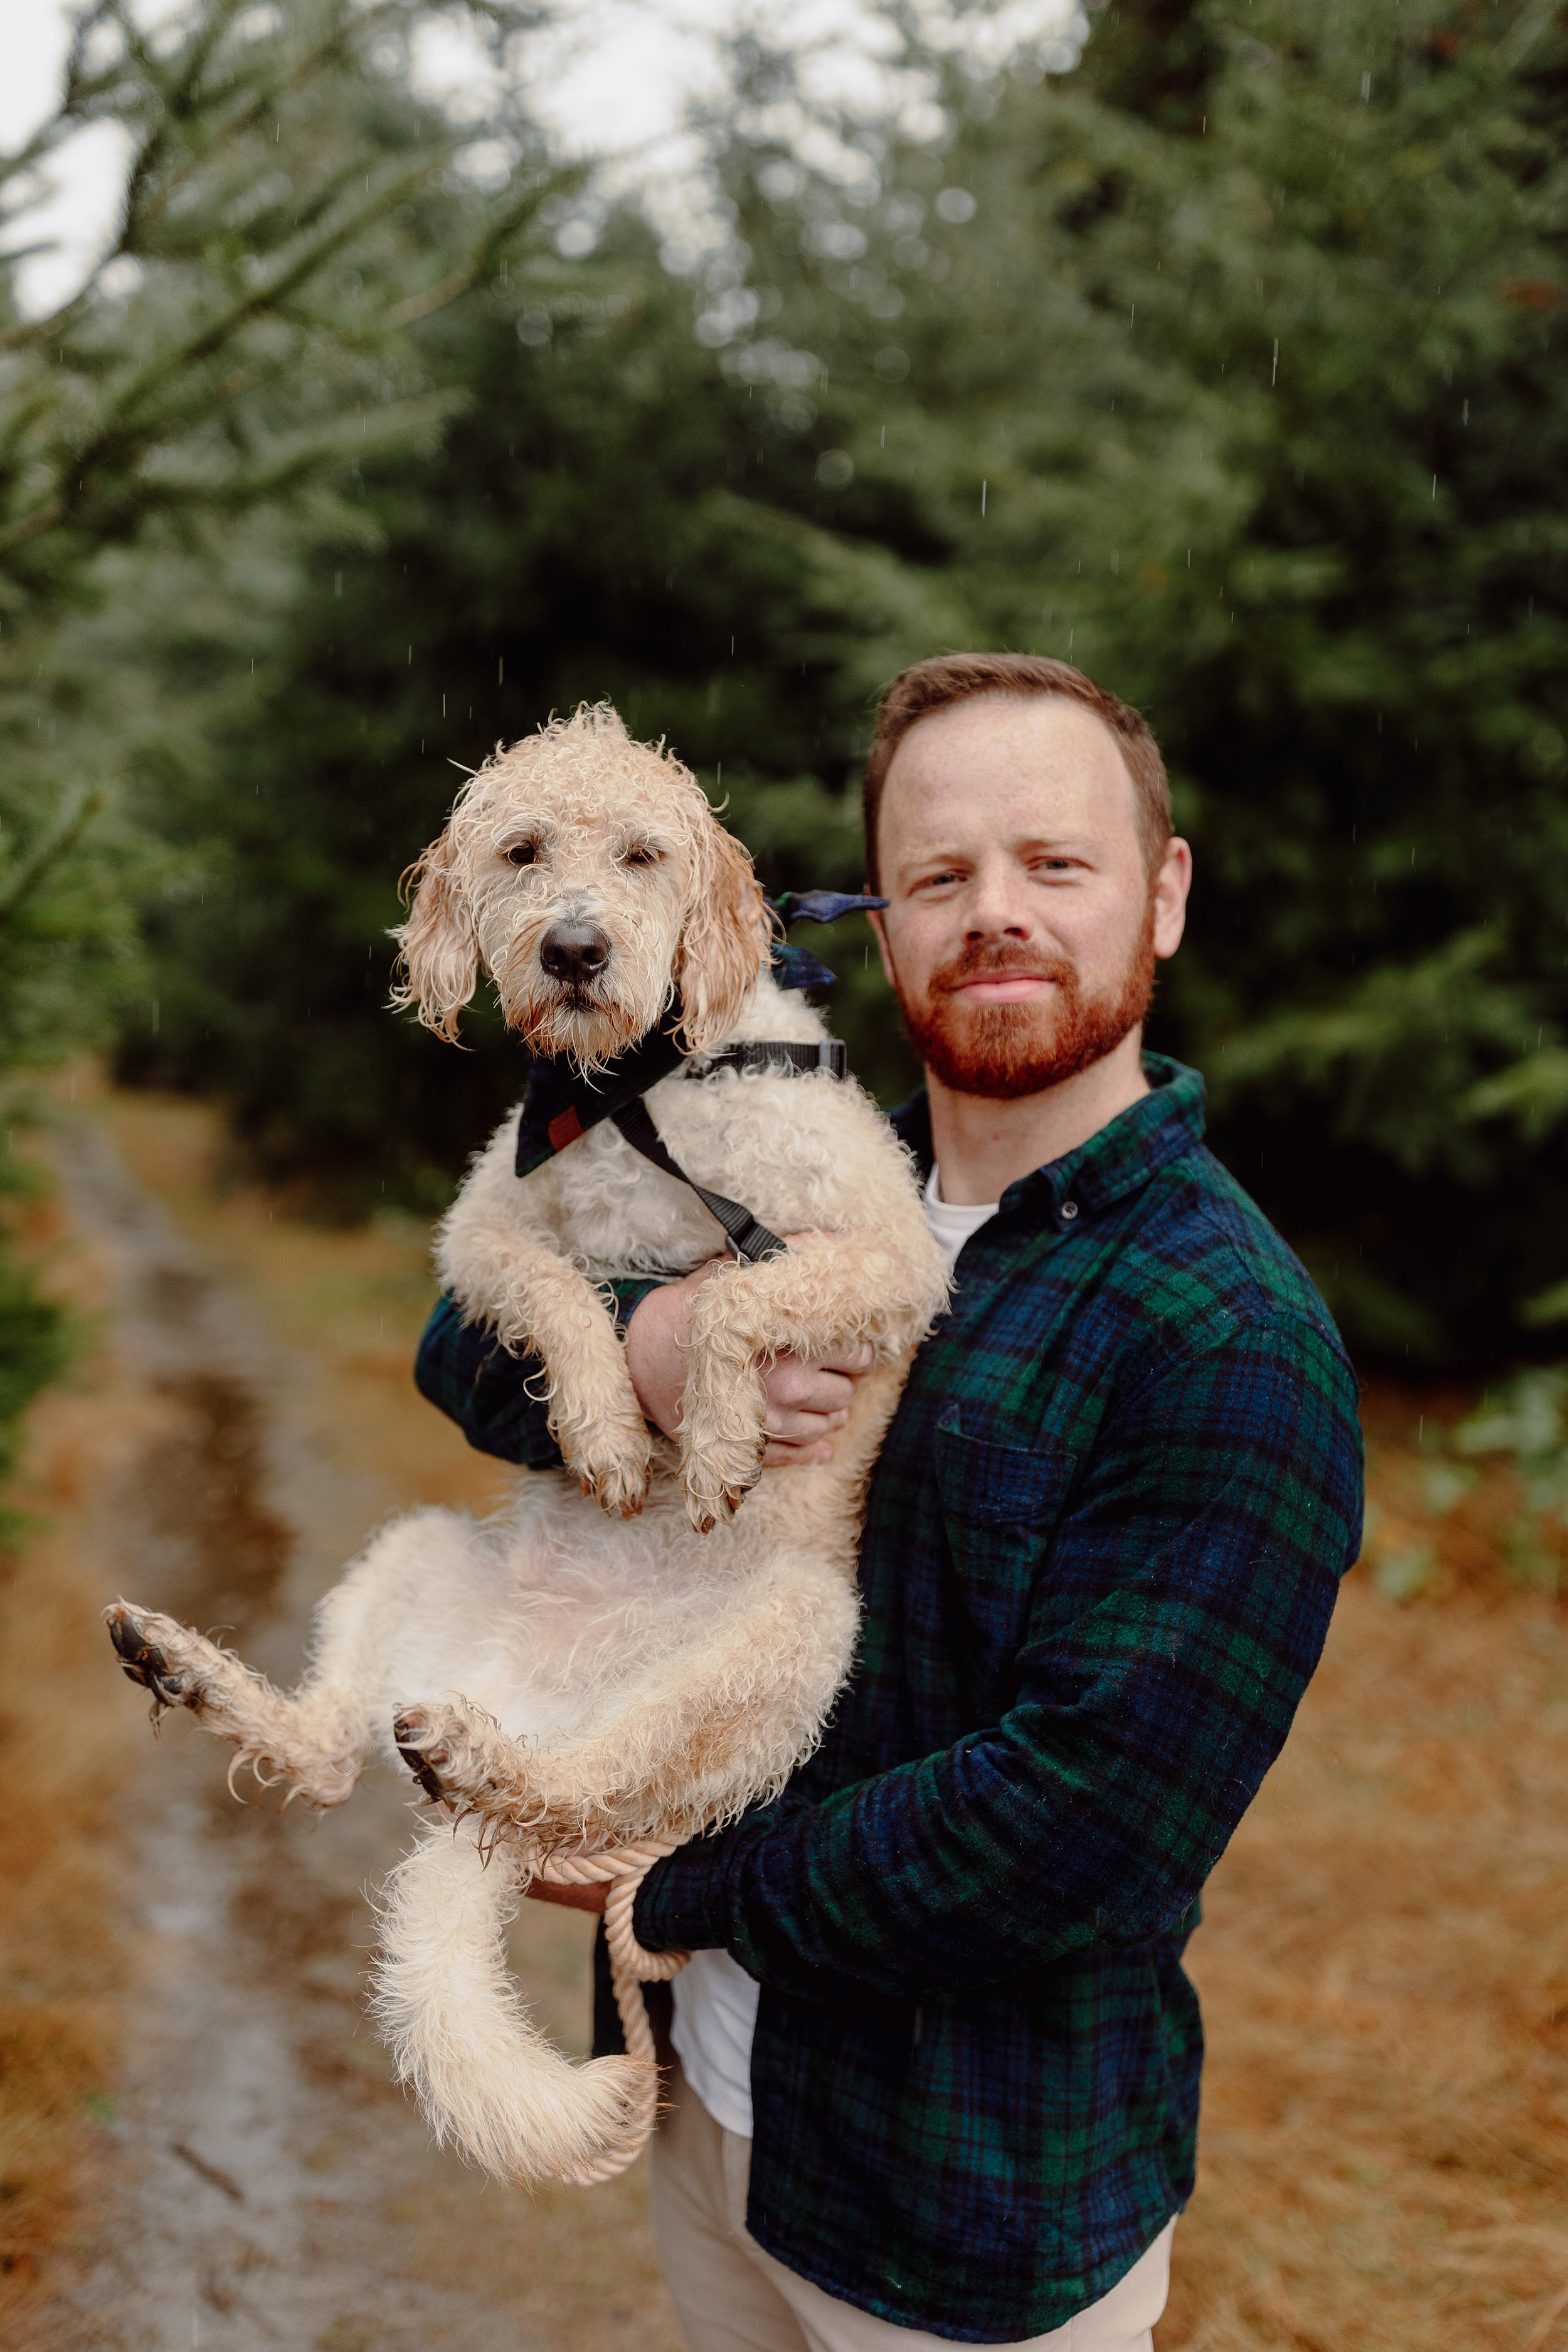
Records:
x=462, y=2039
x=690, y=1740
x=316, y=1740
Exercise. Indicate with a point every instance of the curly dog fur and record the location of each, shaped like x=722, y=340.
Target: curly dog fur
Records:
x=643, y=1644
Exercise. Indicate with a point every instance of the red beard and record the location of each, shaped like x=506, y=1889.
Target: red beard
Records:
x=1003, y=1051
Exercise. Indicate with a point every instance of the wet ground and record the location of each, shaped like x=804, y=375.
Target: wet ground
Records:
x=267, y=2184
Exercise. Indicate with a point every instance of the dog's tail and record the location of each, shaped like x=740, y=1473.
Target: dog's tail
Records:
x=455, y=2020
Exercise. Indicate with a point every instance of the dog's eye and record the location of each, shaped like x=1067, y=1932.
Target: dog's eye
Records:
x=641, y=852
x=521, y=853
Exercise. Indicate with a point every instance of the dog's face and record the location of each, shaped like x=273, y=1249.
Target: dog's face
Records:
x=588, y=875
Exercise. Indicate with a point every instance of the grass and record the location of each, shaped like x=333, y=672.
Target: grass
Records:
x=63, y=1965
x=1383, y=1971
x=1382, y=1963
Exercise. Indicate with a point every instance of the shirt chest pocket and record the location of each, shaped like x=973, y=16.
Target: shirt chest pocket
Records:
x=1000, y=1507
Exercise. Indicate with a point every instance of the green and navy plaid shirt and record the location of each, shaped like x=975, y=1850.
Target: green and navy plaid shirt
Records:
x=1102, y=1549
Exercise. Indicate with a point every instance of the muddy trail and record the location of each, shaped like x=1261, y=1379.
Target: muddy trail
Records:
x=266, y=2179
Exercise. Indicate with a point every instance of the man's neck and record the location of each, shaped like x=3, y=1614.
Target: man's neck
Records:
x=981, y=1147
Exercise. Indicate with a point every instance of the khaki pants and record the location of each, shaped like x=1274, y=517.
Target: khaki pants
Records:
x=732, y=2296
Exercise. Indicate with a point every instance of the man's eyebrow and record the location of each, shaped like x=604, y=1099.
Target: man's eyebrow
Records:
x=1054, y=843
x=916, y=858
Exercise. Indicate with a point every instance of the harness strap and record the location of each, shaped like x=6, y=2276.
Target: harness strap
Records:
x=774, y=1054
x=750, y=1240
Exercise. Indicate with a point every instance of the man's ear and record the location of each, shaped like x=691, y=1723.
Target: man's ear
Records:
x=723, y=941
x=440, y=957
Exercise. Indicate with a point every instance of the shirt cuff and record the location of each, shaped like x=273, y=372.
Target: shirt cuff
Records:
x=682, y=1905
x=629, y=1294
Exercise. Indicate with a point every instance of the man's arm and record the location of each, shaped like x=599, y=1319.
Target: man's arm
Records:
x=1185, y=1605
x=498, y=1402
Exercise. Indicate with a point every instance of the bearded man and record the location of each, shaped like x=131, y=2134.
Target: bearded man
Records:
x=939, y=2059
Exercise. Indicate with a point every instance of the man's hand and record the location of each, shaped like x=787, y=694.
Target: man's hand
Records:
x=805, y=1401
x=571, y=1898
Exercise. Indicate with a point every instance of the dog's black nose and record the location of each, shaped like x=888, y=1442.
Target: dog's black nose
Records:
x=574, y=951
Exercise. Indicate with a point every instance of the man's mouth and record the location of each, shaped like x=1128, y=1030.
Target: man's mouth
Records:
x=1002, y=987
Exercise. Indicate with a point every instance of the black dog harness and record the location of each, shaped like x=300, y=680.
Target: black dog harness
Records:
x=561, y=1104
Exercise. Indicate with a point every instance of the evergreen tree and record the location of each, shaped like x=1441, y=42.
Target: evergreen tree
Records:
x=1226, y=364
x=239, y=345
x=608, y=515
x=1230, y=367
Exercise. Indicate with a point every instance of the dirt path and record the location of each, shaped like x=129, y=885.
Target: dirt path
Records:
x=270, y=2185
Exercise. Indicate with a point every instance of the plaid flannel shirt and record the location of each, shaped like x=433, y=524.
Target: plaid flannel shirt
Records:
x=1102, y=1548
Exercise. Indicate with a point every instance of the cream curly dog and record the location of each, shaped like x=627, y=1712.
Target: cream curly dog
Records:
x=637, y=1647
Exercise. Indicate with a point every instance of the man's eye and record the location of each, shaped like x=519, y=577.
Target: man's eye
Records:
x=521, y=853
x=641, y=852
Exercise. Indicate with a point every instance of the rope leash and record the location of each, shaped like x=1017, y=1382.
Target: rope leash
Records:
x=631, y=1967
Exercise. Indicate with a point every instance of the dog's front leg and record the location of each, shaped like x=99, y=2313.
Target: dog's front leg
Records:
x=539, y=1304
x=830, y=1293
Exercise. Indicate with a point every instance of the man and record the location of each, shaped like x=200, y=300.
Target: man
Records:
x=939, y=2058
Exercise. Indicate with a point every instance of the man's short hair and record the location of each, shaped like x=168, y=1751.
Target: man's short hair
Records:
x=946, y=678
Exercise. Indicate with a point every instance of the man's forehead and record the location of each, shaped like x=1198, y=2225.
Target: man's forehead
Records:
x=1009, y=764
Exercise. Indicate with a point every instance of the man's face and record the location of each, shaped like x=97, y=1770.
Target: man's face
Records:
x=1023, y=923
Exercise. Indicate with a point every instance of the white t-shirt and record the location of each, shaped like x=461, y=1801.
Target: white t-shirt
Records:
x=715, y=1999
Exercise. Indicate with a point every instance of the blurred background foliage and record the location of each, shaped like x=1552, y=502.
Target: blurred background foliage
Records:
x=1228, y=363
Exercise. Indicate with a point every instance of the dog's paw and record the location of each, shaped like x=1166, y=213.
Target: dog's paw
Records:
x=717, y=1479
x=417, y=1734
x=619, y=1487
x=463, y=1759
x=458, y=1754
x=615, y=1469
x=165, y=1657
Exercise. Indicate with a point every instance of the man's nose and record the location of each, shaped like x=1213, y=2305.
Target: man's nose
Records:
x=996, y=914
x=998, y=904
x=575, y=952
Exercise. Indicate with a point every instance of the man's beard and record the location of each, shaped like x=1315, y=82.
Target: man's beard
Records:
x=1003, y=1051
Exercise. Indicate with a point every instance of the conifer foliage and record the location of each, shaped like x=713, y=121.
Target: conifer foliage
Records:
x=238, y=346
x=1231, y=366
x=1227, y=363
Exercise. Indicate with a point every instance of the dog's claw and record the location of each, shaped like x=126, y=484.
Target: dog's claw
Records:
x=614, y=1475
x=144, y=1662
x=406, y=1731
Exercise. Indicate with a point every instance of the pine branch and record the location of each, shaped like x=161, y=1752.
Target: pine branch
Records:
x=56, y=846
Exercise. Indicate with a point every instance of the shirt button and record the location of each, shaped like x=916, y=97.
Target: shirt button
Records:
x=1069, y=1210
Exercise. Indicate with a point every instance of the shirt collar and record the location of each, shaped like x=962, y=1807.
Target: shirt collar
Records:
x=1141, y=1141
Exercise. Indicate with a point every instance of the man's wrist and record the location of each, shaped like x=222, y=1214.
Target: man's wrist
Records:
x=680, y=1905
x=656, y=1367
x=628, y=1294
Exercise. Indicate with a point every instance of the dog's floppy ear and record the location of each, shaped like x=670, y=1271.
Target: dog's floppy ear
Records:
x=440, y=955
x=723, y=942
